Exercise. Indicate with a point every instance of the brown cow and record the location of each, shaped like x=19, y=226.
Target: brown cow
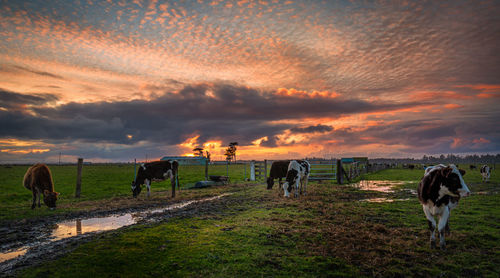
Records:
x=38, y=179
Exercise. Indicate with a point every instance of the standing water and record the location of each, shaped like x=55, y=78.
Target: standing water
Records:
x=384, y=187
x=72, y=228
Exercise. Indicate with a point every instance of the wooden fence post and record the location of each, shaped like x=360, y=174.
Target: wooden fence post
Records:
x=252, y=170
x=135, y=164
x=245, y=178
x=340, y=176
x=79, y=178
x=206, y=169
x=265, y=169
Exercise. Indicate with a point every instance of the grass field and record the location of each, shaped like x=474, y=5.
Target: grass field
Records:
x=99, y=182
x=329, y=232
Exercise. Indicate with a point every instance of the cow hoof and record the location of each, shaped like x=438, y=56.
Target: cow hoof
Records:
x=443, y=247
x=32, y=206
x=433, y=245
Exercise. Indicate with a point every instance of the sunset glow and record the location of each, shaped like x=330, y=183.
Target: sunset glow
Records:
x=118, y=80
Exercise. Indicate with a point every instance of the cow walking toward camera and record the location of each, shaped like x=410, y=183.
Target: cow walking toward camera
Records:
x=155, y=171
x=439, y=192
x=485, y=173
x=296, y=177
x=38, y=179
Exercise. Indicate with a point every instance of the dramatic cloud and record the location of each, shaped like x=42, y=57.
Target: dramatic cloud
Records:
x=113, y=79
x=312, y=129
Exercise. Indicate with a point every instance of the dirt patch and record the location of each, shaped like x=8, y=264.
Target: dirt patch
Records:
x=31, y=238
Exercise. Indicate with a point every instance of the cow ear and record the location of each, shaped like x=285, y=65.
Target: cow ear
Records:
x=462, y=172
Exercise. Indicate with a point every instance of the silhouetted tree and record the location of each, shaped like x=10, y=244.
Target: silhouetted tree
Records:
x=198, y=151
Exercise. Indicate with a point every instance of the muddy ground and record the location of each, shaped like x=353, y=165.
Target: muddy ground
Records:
x=375, y=240
x=34, y=233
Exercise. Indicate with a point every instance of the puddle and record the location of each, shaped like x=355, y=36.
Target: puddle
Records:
x=383, y=200
x=379, y=186
x=67, y=229
x=384, y=187
x=11, y=254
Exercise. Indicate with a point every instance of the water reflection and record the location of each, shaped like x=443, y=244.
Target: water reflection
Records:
x=384, y=187
x=11, y=254
x=379, y=186
x=100, y=224
x=67, y=229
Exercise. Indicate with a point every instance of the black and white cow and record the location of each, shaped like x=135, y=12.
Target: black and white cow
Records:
x=278, y=171
x=485, y=173
x=155, y=171
x=439, y=192
x=297, y=176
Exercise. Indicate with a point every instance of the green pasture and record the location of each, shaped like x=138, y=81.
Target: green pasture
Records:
x=99, y=182
x=328, y=233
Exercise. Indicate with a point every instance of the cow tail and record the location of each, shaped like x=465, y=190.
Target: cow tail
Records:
x=27, y=179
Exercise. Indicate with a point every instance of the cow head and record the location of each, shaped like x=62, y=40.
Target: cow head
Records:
x=453, y=183
x=270, y=183
x=291, y=178
x=50, y=198
x=136, y=189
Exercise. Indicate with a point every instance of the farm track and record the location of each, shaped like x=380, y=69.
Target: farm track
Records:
x=32, y=233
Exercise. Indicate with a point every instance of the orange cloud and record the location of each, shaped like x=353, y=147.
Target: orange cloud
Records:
x=481, y=141
x=453, y=106
x=485, y=88
x=430, y=95
x=303, y=94
x=24, y=151
x=488, y=95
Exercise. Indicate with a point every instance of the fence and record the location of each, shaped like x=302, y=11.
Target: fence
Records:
x=323, y=170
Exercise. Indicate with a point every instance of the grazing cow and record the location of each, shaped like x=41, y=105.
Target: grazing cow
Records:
x=411, y=166
x=278, y=171
x=298, y=172
x=485, y=173
x=155, y=171
x=472, y=167
x=38, y=179
x=439, y=192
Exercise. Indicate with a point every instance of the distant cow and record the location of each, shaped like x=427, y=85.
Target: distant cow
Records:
x=278, y=171
x=297, y=176
x=155, y=171
x=472, y=167
x=38, y=179
x=411, y=166
x=485, y=172
x=439, y=192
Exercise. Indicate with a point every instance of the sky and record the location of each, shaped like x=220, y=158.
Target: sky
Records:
x=123, y=80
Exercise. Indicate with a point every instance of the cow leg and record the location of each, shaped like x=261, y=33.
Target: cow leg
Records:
x=432, y=225
x=305, y=185
x=148, y=186
x=34, y=199
x=443, y=220
x=39, y=197
x=280, y=186
x=297, y=185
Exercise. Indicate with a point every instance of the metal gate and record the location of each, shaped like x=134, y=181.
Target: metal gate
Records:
x=323, y=170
